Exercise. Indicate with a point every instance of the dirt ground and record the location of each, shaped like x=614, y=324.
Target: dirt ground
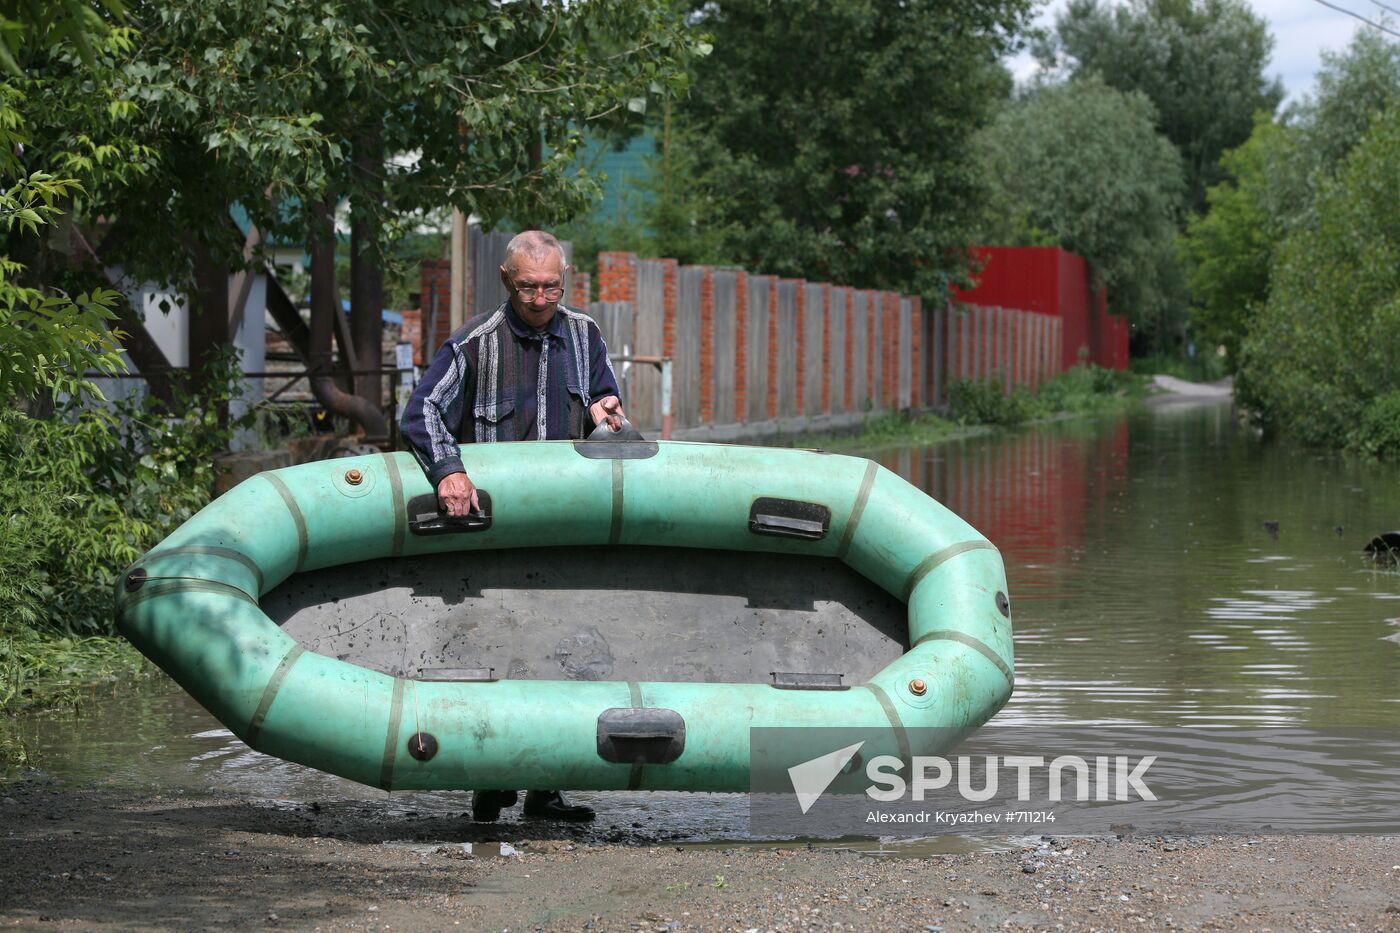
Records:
x=101, y=858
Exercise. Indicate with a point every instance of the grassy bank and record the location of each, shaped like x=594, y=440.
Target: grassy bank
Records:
x=980, y=405
x=43, y=670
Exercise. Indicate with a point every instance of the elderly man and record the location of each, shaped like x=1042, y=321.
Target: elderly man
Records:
x=531, y=369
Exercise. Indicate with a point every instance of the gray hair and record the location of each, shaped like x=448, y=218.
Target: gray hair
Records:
x=536, y=244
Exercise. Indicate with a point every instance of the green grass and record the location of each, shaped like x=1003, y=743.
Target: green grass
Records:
x=979, y=405
x=48, y=670
x=1205, y=367
x=883, y=430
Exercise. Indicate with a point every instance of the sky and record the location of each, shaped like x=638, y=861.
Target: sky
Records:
x=1302, y=29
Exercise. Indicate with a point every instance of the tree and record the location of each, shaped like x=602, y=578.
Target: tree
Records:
x=52, y=339
x=1320, y=360
x=1080, y=165
x=1200, y=62
x=395, y=107
x=833, y=135
x=1272, y=184
x=1353, y=88
x=1228, y=251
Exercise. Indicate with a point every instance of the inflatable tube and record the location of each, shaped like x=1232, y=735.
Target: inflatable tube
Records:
x=191, y=605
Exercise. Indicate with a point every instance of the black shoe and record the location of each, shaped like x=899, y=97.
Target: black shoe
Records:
x=552, y=805
x=487, y=804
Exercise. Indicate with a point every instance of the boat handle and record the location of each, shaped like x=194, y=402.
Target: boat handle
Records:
x=426, y=518
x=789, y=518
x=649, y=735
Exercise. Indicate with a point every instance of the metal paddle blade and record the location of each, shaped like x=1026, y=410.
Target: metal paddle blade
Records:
x=625, y=433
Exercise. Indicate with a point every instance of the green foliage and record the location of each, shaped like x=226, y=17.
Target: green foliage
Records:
x=1322, y=352
x=1080, y=165
x=43, y=669
x=1086, y=389
x=888, y=429
x=1353, y=88
x=833, y=135
x=1080, y=390
x=73, y=22
x=1200, y=62
x=1205, y=366
x=1378, y=433
x=89, y=492
x=280, y=106
x=985, y=401
x=1228, y=250
x=51, y=338
x=1273, y=183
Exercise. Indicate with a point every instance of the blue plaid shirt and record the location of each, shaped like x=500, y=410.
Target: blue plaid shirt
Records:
x=498, y=379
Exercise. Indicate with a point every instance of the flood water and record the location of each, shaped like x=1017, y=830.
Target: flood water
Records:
x=1166, y=569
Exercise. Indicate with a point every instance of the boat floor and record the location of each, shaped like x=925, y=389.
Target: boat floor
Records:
x=603, y=613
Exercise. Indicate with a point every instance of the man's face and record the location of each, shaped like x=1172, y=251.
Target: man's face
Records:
x=539, y=275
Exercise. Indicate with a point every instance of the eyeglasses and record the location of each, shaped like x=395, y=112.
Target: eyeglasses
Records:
x=530, y=292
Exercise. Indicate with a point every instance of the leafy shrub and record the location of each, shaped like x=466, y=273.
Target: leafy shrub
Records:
x=1378, y=432
x=90, y=490
x=1321, y=358
x=1082, y=389
x=984, y=401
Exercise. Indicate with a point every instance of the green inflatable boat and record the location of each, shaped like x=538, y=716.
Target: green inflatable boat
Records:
x=621, y=617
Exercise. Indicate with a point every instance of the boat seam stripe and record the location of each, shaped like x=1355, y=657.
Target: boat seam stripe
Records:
x=165, y=586
x=897, y=724
x=928, y=564
x=210, y=550
x=297, y=518
x=634, y=693
x=981, y=647
x=400, y=514
x=391, y=737
x=269, y=694
x=866, y=482
x=615, y=529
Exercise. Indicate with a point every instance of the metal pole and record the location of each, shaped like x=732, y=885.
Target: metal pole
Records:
x=666, y=399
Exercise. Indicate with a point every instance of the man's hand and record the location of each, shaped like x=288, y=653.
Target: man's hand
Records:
x=457, y=495
x=608, y=409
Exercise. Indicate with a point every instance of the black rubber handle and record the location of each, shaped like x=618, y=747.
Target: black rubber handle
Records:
x=789, y=518
x=426, y=518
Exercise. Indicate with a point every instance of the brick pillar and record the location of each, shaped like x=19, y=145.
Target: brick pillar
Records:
x=889, y=377
x=800, y=369
x=741, y=347
x=872, y=310
x=617, y=277
x=580, y=289
x=707, y=346
x=916, y=351
x=772, y=346
x=826, y=348
x=669, y=274
x=848, y=321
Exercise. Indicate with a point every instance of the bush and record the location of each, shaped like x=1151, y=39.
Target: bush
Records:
x=984, y=401
x=90, y=490
x=1320, y=361
x=1378, y=432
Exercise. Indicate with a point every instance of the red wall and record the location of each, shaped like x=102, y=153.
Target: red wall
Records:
x=1049, y=280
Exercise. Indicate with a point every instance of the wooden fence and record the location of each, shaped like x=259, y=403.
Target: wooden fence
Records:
x=757, y=354
x=774, y=354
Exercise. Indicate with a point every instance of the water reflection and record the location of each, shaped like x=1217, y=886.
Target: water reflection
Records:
x=1170, y=568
